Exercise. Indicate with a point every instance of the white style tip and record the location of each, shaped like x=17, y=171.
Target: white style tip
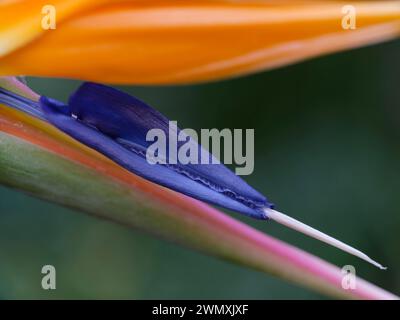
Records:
x=305, y=229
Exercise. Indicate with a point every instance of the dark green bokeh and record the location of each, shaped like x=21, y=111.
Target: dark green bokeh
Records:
x=327, y=152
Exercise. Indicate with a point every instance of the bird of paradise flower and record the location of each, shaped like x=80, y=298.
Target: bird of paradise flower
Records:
x=196, y=41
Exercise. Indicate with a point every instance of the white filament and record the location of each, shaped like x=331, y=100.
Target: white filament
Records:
x=305, y=229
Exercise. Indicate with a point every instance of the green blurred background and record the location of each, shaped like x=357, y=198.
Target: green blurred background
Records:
x=327, y=152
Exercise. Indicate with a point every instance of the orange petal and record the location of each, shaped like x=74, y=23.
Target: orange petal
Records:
x=146, y=42
x=20, y=21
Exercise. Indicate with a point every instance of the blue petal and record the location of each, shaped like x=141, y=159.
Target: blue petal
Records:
x=116, y=124
x=20, y=103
